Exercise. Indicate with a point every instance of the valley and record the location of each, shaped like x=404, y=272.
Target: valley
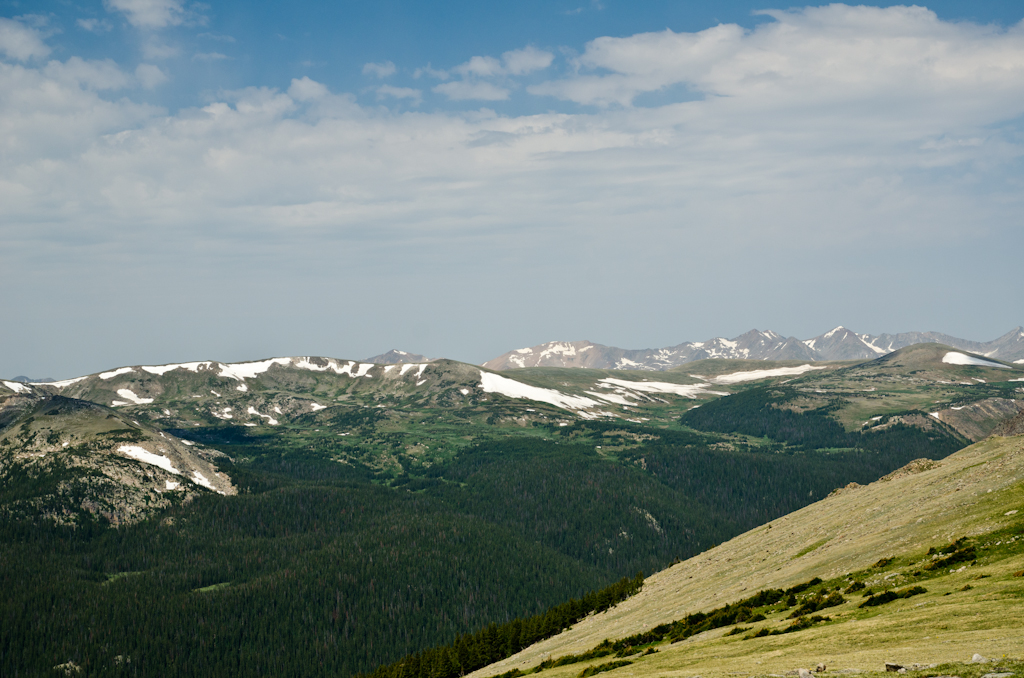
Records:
x=215, y=505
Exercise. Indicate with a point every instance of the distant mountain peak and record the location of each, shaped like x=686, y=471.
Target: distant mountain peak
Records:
x=839, y=343
x=396, y=357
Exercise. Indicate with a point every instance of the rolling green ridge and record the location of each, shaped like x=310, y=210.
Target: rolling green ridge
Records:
x=408, y=509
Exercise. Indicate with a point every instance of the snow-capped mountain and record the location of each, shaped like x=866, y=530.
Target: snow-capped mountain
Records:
x=837, y=344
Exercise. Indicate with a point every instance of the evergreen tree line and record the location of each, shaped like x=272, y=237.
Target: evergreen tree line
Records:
x=760, y=412
x=473, y=651
x=301, y=580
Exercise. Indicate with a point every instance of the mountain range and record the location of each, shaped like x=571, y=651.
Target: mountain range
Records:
x=837, y=344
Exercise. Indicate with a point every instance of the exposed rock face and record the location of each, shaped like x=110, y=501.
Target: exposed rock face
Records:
x=914, y=467
x=981, y=419
x=88, y=459
x=1011, y=427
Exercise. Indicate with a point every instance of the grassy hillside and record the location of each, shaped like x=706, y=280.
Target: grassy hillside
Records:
x=955, y=528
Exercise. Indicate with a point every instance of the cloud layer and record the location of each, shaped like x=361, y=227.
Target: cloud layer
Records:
x=823, y=130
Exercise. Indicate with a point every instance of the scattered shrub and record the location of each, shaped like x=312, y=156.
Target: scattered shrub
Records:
x=601, y=668
x=889, y=596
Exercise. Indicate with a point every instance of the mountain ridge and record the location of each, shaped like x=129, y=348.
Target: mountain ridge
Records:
x=839, y=343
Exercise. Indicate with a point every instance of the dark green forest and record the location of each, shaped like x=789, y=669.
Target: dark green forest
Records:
x=761, y=412
x=322, y=568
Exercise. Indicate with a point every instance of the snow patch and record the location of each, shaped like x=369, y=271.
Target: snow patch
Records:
x=493, y=383
x=685, y=390
x=864, y=339
x=242, y=387
x=161, y=370
x=410, y=366
x=464, y=391
x=118, y=403
x=736, y=377
x=829, y=334
x=59, y=384
x=242, y=371
x=317, y=407
x=613, y=397
x=127, y=394
x=270, y=419
x=957, y=358
x=171, y=485
x=199, y=479
x=17, y=387
x=147, y=457
x=114, y=373
x=363, y=370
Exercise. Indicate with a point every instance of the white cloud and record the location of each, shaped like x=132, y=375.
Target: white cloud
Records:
x=150, y=76
x=461, y=90
x=381, y=70
x=387, y=91
x=150, y=13
x=430, y=72
x=21, y=42
x=157, y=14
x=305, y=90
x=94, y=75
x=50, y=120
x=515, y=62
x=94, y=25
x=482, y=66
x=210, y=56
x=526, y=60
x=155, y=49
x=833, y=53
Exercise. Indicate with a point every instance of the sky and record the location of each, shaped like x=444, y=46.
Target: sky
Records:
x=234, y=181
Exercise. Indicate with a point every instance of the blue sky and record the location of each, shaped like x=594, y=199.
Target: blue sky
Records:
x=183, y=181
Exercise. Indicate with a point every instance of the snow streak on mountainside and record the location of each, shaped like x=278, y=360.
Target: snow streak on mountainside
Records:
x=837, y=344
